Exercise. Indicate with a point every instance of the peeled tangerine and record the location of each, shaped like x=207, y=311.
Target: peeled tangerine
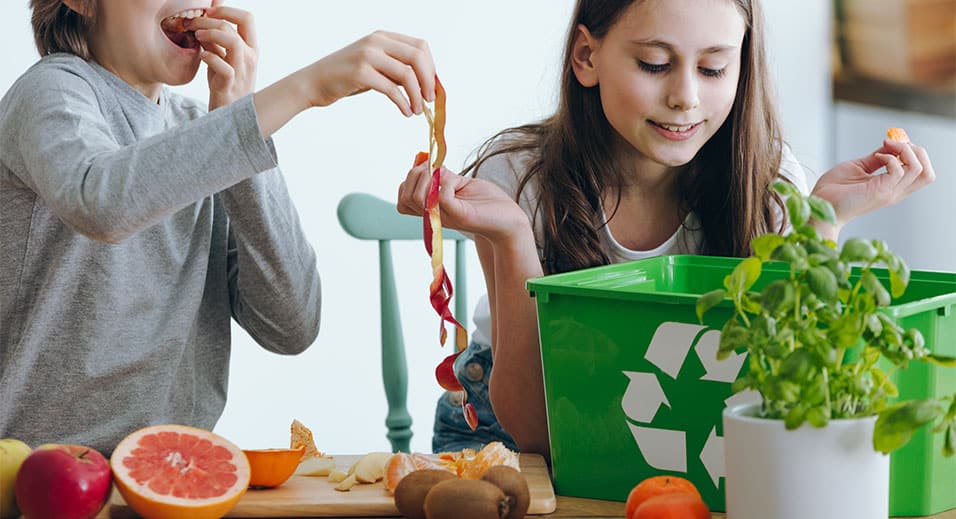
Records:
x=175, y=471
x=898, y=135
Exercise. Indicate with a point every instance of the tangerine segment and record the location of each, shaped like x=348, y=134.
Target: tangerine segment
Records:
x=272, y=467
x=396, y=468
x=174, y=471
x=898, y=135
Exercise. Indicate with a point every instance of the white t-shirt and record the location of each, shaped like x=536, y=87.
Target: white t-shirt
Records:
x=506, y=171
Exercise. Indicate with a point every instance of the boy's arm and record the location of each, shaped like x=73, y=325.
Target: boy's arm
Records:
x=274, y=285
x=107, y=188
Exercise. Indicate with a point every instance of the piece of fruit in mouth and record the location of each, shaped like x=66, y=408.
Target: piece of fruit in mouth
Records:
x=175, y=28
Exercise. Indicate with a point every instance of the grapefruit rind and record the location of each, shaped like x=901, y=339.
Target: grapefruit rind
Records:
x=152, y=505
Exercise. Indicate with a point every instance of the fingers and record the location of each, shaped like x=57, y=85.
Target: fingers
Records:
x=217, y=64
x=406, y=62
x=403, y=77
x=243, y=20
x=416, y=54
x=413, y=190
x=377, y=81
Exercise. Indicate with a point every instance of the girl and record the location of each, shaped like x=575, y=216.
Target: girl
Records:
x=665, y=141
x=135, y=224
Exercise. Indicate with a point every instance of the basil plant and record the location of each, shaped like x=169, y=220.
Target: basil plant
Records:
x=815, y=339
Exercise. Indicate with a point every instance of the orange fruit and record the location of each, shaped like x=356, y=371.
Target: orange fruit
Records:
x=491, y=455
x=897, y=134
x=175, y=471
x=672, y=506
x=272, y=467
x=656, y=486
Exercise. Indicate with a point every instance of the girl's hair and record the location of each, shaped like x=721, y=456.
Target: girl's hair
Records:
x=57, y=28
x=727, y=184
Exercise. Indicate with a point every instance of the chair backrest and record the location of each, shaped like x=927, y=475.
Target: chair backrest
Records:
x=366, y=217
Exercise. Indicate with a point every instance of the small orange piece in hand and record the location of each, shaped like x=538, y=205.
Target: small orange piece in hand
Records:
x=897, y=134
x=672, y=506
x=658, y=486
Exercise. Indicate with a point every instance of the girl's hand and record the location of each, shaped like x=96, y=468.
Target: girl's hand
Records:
x=853, y=190
x=229, y=49
x=470, y=205
x=399, y=66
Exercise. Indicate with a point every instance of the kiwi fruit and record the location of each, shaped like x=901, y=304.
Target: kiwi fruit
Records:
x=412, y=489
x=515, y=487
x=466, y=499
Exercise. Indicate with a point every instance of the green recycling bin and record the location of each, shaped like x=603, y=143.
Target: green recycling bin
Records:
x=633, y=388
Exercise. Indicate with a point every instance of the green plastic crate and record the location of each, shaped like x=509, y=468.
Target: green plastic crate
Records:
x=633, y=388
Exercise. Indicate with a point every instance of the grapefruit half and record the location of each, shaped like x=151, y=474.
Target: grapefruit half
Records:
x=175, y=471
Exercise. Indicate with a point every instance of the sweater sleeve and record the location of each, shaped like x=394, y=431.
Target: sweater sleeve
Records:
x=109, y=191
x=274, y=284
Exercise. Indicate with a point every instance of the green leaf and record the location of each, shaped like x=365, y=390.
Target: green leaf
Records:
x=745, y=274
x=874, y=287
x=798, y=209
x=941, y=360
x=778, y=297
x=858, y=250
x=899, y=278
x=764, y=245
x=949, y=441
x=897, y=423
x=818, y=417
x=786, y=252
x=883, y=381
x=809, y=232
x=796, y=366
x=708, y=301
x=795, y=417
x=821, y=210
x=823, y=283
x=785, y=188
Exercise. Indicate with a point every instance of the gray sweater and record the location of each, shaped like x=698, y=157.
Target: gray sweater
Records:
x=130, y=232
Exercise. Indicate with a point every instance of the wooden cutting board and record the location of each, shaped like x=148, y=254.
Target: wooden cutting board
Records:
x=303, y=496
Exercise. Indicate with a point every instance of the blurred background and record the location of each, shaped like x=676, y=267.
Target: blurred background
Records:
x=844, y=73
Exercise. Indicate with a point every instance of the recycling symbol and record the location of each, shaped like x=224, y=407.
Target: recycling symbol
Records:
x=667, y=448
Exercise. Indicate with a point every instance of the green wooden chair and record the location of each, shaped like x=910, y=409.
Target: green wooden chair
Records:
x=366, y=217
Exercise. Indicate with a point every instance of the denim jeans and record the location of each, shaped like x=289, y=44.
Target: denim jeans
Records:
x=473, y=368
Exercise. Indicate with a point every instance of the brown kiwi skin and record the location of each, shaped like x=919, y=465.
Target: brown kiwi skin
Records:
x=466, y=499
x=514, y=485
x=412, y=489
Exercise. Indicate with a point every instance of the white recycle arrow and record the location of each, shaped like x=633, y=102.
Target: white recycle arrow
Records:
x=670, y=344
x=712, y=456
x=719, y=370
x=662, y=448
x=643, y=397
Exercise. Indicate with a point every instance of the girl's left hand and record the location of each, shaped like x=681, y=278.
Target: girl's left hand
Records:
x=230, y=51
x=853, y=189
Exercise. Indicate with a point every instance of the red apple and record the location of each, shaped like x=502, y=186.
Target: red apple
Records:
x=63, y=482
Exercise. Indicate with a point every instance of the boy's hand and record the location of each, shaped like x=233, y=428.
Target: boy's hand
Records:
x=230, y=51
x=399, y=66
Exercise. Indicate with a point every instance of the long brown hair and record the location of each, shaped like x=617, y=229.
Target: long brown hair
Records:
x=58, y=28
x=727, y=184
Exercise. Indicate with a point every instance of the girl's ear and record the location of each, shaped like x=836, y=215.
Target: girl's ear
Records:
x=80, y=7
x=581, y=53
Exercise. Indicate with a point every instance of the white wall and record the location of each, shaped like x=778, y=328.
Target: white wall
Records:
x=499, y=62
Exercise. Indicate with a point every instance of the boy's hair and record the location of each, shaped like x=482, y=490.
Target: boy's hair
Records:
x=727, y=184
x=58, y=28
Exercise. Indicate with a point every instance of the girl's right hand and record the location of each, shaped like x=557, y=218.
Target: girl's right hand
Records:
x=471, y=205
x=399, y=66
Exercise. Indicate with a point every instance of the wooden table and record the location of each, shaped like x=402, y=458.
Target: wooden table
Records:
x=573, y=507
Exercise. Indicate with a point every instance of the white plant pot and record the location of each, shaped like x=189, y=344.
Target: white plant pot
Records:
x=826, y=473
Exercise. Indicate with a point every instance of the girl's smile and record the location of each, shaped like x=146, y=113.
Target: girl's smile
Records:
x=675, y=132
